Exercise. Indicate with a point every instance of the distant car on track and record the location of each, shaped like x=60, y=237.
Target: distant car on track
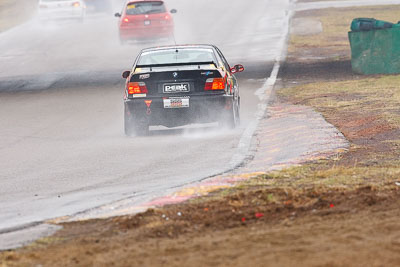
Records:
x=61, y=9
x=145, y=20
x=180, y=85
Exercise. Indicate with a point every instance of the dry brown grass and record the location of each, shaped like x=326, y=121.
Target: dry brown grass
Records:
x=366, y=110
x=336, y=25
x=378, y=95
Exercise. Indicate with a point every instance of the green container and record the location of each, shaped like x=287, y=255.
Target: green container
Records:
x=375, y=51
x=362, y=24
x=381, y=24
x=367, y=24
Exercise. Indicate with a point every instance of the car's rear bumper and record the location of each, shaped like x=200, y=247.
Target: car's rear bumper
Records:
x=202, y=109
x=146, y=32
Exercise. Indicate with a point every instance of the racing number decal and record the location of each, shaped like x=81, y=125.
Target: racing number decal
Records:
x=176, y=103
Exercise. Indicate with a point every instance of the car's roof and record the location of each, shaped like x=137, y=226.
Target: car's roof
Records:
x=168, y=47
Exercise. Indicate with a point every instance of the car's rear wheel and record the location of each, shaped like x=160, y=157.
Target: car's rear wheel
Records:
x=231, y=116
x=238, y=112
x=133, y=126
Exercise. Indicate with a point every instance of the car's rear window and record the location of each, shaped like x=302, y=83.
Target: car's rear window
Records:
x=176, y=56
x=140, y=8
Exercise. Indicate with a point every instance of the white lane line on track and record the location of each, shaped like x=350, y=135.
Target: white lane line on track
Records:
x=23, y=236
x=243, y=151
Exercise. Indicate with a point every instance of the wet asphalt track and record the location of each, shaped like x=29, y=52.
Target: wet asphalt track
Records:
x=62, y=147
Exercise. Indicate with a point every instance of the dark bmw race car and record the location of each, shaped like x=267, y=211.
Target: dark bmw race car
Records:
x=179, y=85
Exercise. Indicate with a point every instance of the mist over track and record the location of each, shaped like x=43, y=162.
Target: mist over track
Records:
x=62, y=147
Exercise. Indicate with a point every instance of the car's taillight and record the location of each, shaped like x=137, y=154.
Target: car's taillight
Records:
x=125, y=20
x=76, y=4
x=215, y=84
x=167, y=17
x=137, y=88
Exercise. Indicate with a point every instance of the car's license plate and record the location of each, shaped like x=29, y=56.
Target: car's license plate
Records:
x=147, y=22
x=176, y=87
x=176, y=103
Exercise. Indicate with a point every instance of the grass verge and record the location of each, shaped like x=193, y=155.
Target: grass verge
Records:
x=332, y=43
x=365, y=109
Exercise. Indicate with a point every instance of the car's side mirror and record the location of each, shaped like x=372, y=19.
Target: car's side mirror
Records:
x=237, y=68
x=173, y=11
x=118, y=15
x=126, y=74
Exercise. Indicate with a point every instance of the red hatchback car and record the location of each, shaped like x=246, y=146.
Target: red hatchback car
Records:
x=145, y=20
